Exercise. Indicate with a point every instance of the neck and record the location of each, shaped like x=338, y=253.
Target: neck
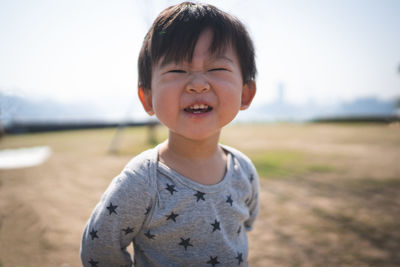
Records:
x=202, y=161
x=194, y=150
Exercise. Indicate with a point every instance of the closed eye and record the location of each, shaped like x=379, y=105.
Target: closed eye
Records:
x=177, y=71
x=218, y=69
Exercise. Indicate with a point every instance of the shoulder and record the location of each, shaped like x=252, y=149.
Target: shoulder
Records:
x=141, y=164
x=243, y=160
x=138, y=174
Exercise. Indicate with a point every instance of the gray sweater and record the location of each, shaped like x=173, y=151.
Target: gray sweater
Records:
x=172, y=220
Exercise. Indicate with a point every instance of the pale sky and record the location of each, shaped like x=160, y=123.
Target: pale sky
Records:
x=86, y=50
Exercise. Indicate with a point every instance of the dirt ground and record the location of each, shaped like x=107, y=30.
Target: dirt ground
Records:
x=332, y=199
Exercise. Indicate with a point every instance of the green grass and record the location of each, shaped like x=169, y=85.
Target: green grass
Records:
x=286, y=163
x=278, y=163
x=320, y=168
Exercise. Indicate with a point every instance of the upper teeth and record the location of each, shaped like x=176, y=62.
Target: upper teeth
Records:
x=201, y=106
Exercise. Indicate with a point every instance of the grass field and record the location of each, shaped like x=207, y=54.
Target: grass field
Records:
x=330, y=193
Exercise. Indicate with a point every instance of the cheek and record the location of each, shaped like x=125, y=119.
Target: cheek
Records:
x=161, y=102
x=165, y=104
x=231, y=105
x=230, y=94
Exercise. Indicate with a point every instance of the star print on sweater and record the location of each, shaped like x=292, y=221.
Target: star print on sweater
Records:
x=148, y=209
x=172, y=216
x=239, y=230
x=229, y=199
x=239, y=257
x=251, y=178
x=171, y=188
x=185, y=243
x=213, y=261
x=149, y=235
x=93, y=234
x=215, y=226
x=200, y=195
x=169, y=220
x=128, y=230
x=112, y=209
x=93, y=263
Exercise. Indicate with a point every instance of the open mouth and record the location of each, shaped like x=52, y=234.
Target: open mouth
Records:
x=198, y=109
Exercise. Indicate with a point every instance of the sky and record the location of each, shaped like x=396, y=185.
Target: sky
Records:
x=85, y=51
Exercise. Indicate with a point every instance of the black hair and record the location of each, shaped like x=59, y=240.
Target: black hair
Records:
x=174, y=34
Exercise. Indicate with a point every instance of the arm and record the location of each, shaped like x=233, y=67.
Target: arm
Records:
x=251, y=173
x=253, y=203
x=115, y=221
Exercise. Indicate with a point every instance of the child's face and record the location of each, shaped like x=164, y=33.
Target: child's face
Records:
x=196, y=99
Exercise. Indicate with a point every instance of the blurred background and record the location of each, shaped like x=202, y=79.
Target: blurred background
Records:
x=323, y=130
x=76, y=60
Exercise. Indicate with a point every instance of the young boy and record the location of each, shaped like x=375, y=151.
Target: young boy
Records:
x=190, y=200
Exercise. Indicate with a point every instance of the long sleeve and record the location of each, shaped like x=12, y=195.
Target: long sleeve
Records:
x=116, y=220
x=253, y=203
x=250, y=172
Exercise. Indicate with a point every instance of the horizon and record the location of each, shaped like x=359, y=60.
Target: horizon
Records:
x=15, y=110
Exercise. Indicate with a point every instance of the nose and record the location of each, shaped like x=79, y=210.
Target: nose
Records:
x=197, y=84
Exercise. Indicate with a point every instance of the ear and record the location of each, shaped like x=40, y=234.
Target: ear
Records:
x=248, y=93
x=146, y=99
